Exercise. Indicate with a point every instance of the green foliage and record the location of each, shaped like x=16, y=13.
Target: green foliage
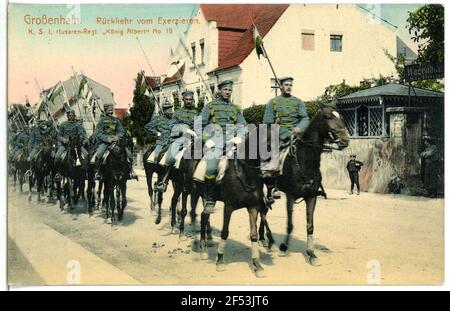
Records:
x=433, y=85
x=254, y=114
x=200, y=104
x=140, y=113
x=312, y=107
x=426, y=25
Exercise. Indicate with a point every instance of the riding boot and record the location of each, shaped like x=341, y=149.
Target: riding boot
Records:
x=162, y=186
x=133, y=175
x=210, y=201
x=97, y=175
x=272, y=191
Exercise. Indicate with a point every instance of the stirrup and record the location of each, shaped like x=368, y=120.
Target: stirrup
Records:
x=209, y=207
x=98, y=176
x=58, y=177
x=275, y=194
x=28, y=173
x=161, y=187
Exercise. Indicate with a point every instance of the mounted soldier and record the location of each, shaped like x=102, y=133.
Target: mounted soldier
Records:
x=181, y=124
x=43, y=129
x=222, y=125
x=19, y=142
x=290, y=114
x=69, y=130
x=110, y=130
x=159, y=126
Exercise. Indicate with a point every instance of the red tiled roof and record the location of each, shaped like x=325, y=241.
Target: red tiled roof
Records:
x=235, y=25
x=177, y=76
x=152, y=81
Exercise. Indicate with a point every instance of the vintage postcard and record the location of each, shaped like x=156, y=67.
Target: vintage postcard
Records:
x=225, y=144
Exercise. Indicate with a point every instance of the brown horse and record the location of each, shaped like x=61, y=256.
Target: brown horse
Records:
x=301, y=177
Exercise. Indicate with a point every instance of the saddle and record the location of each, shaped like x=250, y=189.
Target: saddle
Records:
x=200, y=171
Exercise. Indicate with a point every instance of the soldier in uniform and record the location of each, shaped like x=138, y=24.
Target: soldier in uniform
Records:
x=20, y=141
x=69, y=130
x=353, y=168
x=109, y=130
x=182, y=123
x=228, y=128
x=290, y=114
x=43, y=129
x=159, y=126
x=430, y=158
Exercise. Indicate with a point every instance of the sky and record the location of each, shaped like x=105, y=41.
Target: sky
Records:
x=112, y=60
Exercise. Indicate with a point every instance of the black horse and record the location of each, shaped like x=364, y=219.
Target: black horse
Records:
x=301, y=177
x=240, y=187
x=42, y=166
x=115, y=172
x=72, y=169
x=19, y=166
x=156, y=197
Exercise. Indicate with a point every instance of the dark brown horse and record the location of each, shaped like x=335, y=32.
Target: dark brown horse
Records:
x=115, y=172
x=42, y=166
x=241, y=187
x=301, y=177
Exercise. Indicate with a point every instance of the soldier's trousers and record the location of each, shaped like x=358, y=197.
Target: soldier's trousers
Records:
x=102, y=149
x=61, y=150
x=213, y=157
x=173, y=150
x=354, y=180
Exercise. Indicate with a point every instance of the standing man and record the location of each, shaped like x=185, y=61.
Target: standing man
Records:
x=222, y=125
x=69, y=130
x=353, y=167
x=430, y=158
x=109, y=130
x=159, y=126
x=182, y=123
x=289, y=112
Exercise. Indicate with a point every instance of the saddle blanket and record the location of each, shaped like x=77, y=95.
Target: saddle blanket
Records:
x=200, y=171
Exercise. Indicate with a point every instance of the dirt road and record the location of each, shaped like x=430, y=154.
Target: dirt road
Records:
x=371, y=238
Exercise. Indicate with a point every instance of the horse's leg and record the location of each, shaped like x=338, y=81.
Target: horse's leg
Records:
x=310, y=207
x=159, y=196
x=148, y=176
x=59, y=196
x=124, y=199
x=173, y=204
x=265, y=225
x=14, y=179
x=289, y=205
x=204, y=219
x=194, y=201
x=90, y=197
x=108, y=202
x=70, y=195
x=253, y=217
x=40, y=180
x=227, y=211
x=118, y=201
x=184, y=197
x=30, y=186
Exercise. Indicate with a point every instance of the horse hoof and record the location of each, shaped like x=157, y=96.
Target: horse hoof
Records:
x=204, y=255
x=220, y=267
x=312, y=259
x=260, y=273
x=29, y=199
x=109, y=221
x=283, y=247
x=158, y=220
x=263, y=243
x=174, y=231
x=182, y=237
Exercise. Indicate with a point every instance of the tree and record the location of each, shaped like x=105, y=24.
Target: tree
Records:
x=426, y=25
x=140, y=113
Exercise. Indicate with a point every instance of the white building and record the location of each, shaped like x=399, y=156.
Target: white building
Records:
x=87, y=101
x=316, y=44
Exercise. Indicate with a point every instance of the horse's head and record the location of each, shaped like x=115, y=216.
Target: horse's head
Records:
x=330, y=126
x=118, y=148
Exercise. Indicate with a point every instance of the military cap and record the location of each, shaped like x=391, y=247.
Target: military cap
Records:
x=283, y=79
x=69, y=110
x=225, y=83
x=187, y=93
x=167, y=105
x=107, y=105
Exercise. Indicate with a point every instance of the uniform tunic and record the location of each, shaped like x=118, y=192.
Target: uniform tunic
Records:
x=159, y=124
x=107, y=127
x=70, y=130
x=228, y=122
x=37, y=137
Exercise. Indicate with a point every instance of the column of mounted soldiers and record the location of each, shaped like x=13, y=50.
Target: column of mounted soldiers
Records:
x=172, y=129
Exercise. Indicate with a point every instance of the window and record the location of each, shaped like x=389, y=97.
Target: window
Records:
x=193, y=52
x=336, y=43
x=307, y=41
x=364, y=121
x=202, y=51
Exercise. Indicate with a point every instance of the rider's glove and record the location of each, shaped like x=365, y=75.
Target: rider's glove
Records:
x=209, y=143
x=236, y=140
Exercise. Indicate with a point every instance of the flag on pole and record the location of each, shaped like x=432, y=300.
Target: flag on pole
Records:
x=55, y=93
x=257, y=40
x=82, y=84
